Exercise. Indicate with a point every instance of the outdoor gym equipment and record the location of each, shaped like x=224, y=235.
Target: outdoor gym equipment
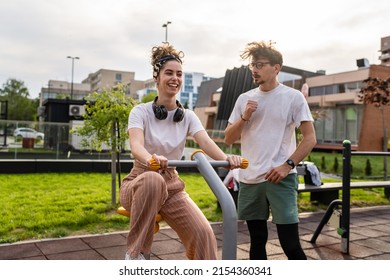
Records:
x=229, y=215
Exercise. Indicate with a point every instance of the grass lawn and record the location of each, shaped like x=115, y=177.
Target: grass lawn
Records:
x=55, y=205
x=49, y=205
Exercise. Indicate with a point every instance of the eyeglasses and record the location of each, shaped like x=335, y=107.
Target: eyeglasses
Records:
x=258, y=65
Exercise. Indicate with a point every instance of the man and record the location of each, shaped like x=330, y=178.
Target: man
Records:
x=265, y=118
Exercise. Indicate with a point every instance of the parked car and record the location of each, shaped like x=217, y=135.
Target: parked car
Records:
x=26, y=132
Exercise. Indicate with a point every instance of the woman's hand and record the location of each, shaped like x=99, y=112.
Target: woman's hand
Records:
x=160, y=160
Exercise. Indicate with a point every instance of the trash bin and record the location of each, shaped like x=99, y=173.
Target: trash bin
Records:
x=28, y=143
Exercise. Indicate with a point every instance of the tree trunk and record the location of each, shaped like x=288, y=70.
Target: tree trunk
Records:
x=113, y=164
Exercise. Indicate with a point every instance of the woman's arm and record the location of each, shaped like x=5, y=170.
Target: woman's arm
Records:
x=137, y=144
x=213, y=151
x=136, y=138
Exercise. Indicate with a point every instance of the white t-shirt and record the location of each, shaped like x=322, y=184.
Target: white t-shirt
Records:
x=268, y=139
x=164, y=137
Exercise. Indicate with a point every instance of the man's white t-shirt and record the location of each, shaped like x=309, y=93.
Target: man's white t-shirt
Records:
x=164, y=137
x=268, y=139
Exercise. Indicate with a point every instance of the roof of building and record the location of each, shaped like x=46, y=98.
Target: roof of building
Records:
x=237, y=81
x=206, y=90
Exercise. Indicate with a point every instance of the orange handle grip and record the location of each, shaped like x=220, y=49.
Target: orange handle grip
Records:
x=244, y=163
x=153, y=165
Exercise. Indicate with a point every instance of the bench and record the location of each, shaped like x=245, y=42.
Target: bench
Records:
x=327, y=192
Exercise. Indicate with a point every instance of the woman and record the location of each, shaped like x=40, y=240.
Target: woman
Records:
x=158, y=132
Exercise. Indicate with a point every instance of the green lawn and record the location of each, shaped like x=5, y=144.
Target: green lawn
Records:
x=47, y=205
x=54, y=205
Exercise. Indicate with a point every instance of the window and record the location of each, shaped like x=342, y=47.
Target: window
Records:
x=353, y=86
x=340, y=123
x=118, y=77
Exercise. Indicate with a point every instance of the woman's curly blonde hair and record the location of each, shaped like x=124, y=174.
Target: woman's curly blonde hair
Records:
x=162, y=54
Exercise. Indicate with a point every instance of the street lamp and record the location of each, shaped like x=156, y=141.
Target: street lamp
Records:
x=165, y=25
x=71, y=85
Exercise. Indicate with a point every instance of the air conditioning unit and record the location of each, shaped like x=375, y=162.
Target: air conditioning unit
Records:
x=76, y=110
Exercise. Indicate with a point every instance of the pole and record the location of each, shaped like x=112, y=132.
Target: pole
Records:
x=345, y=204
x=165, y=25
x=71, y=85
x=4, y=115
x=229, y=246
x=113, y=164
x=385, y=150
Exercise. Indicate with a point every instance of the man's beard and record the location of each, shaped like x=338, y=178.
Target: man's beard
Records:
x=258, y=82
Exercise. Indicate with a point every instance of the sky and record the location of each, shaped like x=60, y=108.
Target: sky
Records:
x=36, y=36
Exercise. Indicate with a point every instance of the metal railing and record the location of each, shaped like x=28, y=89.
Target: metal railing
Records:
x=344, y=224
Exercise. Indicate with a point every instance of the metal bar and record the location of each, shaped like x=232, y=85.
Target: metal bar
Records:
x=345, y=207
x=371, y=153
x=325, y=218
x=191, y=163
x=229, y=244
x=386, y=189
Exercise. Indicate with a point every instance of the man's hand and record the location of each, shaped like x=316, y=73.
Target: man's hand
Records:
x=277, y=174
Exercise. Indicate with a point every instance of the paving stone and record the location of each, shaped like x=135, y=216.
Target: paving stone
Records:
x=15, y=251
x=369, y=240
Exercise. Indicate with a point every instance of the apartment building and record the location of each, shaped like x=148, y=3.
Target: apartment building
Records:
x=385, y=51
x=63, y=89
x=188, y=94
x=189, y=91
x=106, y=79
x=341, y=115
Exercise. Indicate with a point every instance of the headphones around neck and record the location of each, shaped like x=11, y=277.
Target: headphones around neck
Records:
x=161, y=113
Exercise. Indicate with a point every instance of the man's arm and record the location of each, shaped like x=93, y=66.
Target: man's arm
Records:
x=233, y=131
x=308, y=142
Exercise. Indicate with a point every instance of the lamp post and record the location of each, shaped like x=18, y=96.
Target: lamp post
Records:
x=71, y=85
x=165, y=25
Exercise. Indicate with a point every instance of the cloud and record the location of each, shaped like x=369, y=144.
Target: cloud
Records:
x=38, y=35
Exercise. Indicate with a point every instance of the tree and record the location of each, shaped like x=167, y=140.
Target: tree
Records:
x=149, y=97
x=17, y=95
x=376, y=91
x=105, y=122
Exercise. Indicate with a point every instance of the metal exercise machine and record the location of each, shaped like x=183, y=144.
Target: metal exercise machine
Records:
x=229, y=215
x=343, y=217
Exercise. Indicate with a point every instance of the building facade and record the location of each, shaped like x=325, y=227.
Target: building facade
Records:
x=107, y=79
x=342, y=115
x=385, y=51
x=188, y=94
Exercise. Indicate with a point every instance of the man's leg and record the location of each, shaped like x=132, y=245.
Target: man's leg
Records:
x=258, y=232
x=289, y=240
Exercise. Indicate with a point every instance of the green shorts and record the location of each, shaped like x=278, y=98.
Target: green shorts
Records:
x=255, y=201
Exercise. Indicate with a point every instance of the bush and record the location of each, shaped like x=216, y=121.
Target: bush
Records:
x=368, y=169
x=323, y=163
x=335, y=165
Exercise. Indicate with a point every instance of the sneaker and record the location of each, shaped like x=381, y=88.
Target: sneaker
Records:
x=139, y=257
